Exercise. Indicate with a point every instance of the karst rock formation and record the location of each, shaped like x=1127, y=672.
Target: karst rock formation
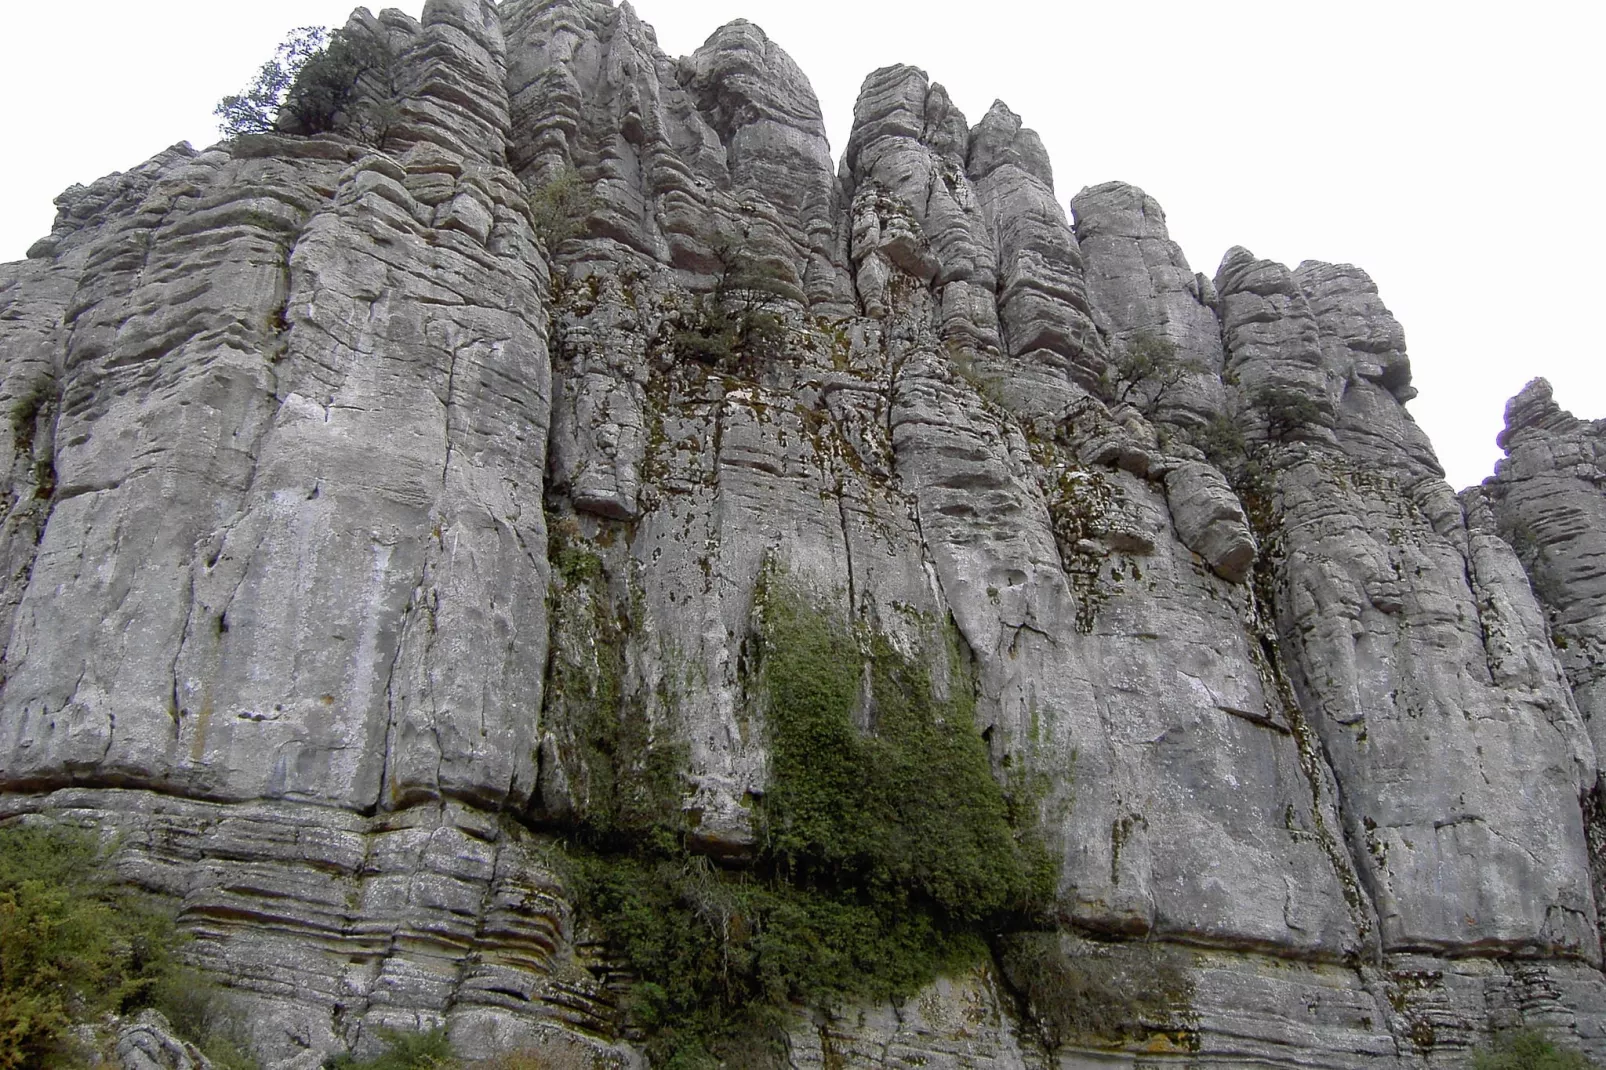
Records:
x=335, y=499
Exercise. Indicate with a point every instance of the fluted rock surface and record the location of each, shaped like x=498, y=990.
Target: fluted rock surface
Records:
x=1548, y=499
x=346, y=510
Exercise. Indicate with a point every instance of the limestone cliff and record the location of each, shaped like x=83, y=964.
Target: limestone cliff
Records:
x=337, y=502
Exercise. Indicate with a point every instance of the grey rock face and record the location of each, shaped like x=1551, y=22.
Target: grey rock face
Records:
x=1375, y=570
x=344, y=515
x=1140, y=284
x=297, y=404
x=1210, y=520
x=1546, y=500
x=148, y=1043
x=1042, y=300
x=1051, y=566
x=1272, y=343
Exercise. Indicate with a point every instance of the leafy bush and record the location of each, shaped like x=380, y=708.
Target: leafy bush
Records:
x=910, y=810
x=886, y=857
x=739, y=320
x=559, y=207
x=1101, y=995
x=717, y=954
x=203, y=1014
x=427, y=1050
x=256, y=109
x=1529, y=1049
x=74, y=945
x=1288, y=413
x=1221, y=442
x=1145, y=369
x=310, y=85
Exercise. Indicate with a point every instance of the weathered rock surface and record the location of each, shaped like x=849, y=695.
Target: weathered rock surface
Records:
x=1547, y=498
x=148, y=1043
x=1140, y=284
x=1375, y=570
x=341, y=510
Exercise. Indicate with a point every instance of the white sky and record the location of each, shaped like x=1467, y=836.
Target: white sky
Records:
x=1452, y=149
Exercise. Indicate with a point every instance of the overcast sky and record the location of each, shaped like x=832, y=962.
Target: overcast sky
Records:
x=1453, y=150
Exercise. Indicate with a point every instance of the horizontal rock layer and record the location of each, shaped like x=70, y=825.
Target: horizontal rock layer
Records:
x=341, y=493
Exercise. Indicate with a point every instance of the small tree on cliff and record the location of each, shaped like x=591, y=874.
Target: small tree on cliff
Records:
x=560, y=206
x=1145, y=369
x=309, y=86
x=1289, y=413
x=739, y=320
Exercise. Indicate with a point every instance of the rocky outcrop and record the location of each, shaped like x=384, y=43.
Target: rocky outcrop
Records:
x=1140, y=285
x=1375, y=569
x=367, y=541
x=1546, y=500
x=148, y=1043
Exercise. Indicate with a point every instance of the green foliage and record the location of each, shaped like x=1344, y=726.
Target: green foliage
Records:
x=1289, y=413
x=626, y=783
x=28, y=412
x=987, y=386
x=887, y=857
x=256, y=109
x=204, y=1015
x=325, y=85
x=737, y=323
x=1145, y=369
x=559, y=208
x=1101, y=995
x=1529, y=1049
x=717, y=954
x=74, y=945
x=577, y=565
x=910, y=811
x=1222, y=442
x=309, y=86
x=428, y=1050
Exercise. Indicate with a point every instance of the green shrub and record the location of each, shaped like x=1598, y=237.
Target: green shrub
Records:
x=426, y=1050
x=910, y=810
x=1221, y=442
x=309, y=86
x=256, y=108
x=1103, y=994
x=1289, y=413
x=1529, y=1049
x=738, y=323
x=887, y=857
x=717, y=954
x=559, y=208
x=74, y=945
x=205, y=1015
x=1145, y=368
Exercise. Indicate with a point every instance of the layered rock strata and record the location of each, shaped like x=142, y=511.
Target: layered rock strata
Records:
x=341, y=497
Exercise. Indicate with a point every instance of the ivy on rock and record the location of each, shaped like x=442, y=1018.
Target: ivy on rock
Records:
x=887, y=851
